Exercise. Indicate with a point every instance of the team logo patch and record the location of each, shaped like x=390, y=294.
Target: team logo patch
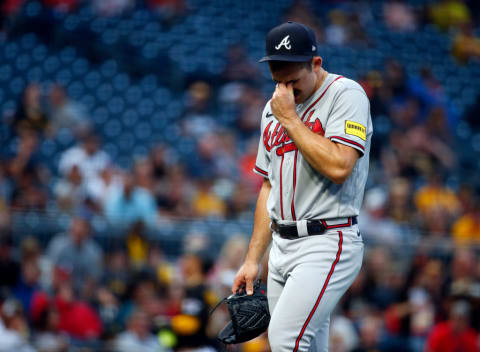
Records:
x=285, y=42
x=356, y=129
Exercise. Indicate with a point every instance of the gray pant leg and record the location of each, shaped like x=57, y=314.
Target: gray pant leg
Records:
x=312, y=290
x=275, y=284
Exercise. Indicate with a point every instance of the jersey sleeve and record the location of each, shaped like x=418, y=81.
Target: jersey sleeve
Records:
x=262, y=162
x=348, y=121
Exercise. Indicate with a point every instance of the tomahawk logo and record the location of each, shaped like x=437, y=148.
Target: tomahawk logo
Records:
x=285, y=42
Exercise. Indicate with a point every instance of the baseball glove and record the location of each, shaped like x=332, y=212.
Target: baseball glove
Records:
x=249, y=315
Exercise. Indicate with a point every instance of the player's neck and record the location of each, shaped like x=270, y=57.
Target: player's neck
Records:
x=322, y=75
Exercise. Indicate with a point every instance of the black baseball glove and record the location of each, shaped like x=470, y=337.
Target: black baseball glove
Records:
x=249, y=315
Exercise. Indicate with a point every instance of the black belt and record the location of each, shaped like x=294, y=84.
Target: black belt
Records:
x=314, y=227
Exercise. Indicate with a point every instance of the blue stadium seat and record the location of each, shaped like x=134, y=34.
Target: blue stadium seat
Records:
x=129, y=118
x=121, y=82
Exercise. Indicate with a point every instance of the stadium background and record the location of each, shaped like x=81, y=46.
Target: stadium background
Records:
x=131, y=127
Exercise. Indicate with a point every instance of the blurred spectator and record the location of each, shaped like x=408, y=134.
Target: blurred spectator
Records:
x=395, y=78
x=113, y=288
x=28, y=174
x=429, y=147
x=191, y=324
x=463, y=282
x=75, y=317
x=71, y=191
x=456, y=334
x=138, y=337
x=159, y=162
x=343, y=336
x=466, y=230
x=226, y=159
x=65, y=112
x=379, y=269
x=203, y=164
x=143, y=294
x=336, y=31
x=378, y=93
x=130, y=204
x=399, y=17
x=356, y=30
x=431, y=92
x=198, y=120
x=87, y=155
x=301, y=11
x=376, y=227
x=14, y=332
x=28, y=283
x=449, y=13
x=344, y=28
x=239, y=67
x=109, y=181
x=239, y=205
x=48, y=337
x=466, y=45
x=399, y=201
x=30, y=113
x=31, y=252
x=143, y=174
x=137, y=245
x=205, y=202
x=434, y=195
x=251, y=105
x=229, y=261
x=77, y=254
x=370, y=334
x=246, y=164
x=175, y=192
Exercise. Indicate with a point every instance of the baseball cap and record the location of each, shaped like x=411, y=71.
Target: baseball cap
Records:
x=290, y=41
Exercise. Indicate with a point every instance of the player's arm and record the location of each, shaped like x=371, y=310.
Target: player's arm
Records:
x=334, y=160
x=261, y=238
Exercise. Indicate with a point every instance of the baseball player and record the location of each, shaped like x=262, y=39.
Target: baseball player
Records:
x=313, y=154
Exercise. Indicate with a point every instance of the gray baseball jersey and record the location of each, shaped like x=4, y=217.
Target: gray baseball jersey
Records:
x=338, y=110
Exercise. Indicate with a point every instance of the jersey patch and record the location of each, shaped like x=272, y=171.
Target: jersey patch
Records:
x=356, y=129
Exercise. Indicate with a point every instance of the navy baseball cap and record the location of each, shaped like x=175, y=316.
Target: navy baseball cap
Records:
x=290, y=41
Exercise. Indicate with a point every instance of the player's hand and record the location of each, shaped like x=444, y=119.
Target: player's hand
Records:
x=283, y=103
x=246, y=275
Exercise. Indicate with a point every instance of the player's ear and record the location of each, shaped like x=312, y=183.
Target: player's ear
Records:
x=316, y=63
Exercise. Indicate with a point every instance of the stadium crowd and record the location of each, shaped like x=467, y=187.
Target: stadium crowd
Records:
x=419, y=288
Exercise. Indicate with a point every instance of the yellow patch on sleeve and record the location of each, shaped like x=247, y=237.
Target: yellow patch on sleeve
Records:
x=356, y=129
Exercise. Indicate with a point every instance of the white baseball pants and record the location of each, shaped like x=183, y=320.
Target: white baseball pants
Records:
x=306, y=279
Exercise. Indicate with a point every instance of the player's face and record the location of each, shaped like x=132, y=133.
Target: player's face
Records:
x=303, y=81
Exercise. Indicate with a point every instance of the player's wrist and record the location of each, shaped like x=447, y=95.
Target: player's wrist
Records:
x=291, y=122
x=252, y=261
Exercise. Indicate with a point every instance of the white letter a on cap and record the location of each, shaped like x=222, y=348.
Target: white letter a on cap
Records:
x=285, y=42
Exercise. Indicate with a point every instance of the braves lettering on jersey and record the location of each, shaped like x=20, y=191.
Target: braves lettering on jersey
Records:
x=338, y=110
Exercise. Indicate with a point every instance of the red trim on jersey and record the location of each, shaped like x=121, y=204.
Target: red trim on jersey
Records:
x=349, y=141
x=320, y=97
x=264, y=173
x=340, y=241
x=296, y=152
x=294, y=184
x=281, y=188
x=328, y=227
